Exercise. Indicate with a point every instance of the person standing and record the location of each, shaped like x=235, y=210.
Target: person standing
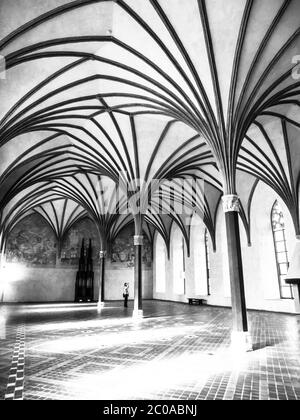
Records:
x=126, y=294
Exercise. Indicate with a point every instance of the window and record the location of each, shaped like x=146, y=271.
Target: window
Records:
x=281, y=253
x=160, y=265
x=206, y=239
x=178, y=262
x=200, y=260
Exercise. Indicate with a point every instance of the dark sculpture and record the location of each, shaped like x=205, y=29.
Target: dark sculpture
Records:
x=84, y=285
x=89, y=275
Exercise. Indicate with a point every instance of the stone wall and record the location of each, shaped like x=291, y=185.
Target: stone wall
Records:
x=32, y=273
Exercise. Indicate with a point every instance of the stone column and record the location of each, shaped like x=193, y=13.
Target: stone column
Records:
x=138, y=285
x=240, y=338
x=102, y=256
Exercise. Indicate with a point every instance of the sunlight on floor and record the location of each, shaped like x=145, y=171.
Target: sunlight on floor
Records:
x=175, y=352
x=160, y=375
x=86, y=342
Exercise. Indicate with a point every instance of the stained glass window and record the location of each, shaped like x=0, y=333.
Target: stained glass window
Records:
x=281, y=253
x=207, y=260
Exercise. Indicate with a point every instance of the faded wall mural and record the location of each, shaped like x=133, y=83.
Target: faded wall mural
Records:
x=84, y=229
x=122, y=250
x=32, y=243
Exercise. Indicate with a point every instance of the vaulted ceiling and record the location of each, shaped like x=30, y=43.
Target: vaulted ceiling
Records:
x=114, y=91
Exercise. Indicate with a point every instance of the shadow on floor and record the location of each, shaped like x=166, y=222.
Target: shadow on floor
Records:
x=269, y=343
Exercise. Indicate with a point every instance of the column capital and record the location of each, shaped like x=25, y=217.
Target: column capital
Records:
x=102, y=254
x=138, y=240
x=231, y=202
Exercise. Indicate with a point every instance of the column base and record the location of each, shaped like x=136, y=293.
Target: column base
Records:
x=137, y=313
x=241, y=341
x=100, y=306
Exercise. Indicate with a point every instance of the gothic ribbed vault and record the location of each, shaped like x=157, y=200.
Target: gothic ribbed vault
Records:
x=147, y=89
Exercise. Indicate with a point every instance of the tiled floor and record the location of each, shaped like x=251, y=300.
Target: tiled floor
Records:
x=175, y=352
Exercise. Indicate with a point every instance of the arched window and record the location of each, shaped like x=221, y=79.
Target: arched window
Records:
x=207, y=257
x=178, y=261
x=201, y=260
x=160, y=265
x=281, y=253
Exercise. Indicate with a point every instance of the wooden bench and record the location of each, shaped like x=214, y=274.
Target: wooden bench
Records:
x=196, y=301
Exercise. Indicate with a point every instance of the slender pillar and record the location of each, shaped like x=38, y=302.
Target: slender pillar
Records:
x=138, y=286
x=240, y=338
x=102, y=255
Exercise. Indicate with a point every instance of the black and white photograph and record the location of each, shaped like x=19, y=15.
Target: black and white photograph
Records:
x=149, y=203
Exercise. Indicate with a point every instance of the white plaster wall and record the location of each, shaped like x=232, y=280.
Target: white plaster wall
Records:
x=189, y=277
x=115, y=279
x=24, y=284
x=27, y=284
x=260, y=272
x=217, y=289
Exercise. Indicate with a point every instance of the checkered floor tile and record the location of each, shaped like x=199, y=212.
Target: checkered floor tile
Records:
x=177, y=351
